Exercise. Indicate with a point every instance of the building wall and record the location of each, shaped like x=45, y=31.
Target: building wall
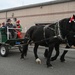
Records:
x=40, y=14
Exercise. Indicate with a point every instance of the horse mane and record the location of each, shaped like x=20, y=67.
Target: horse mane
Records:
x=65, y=19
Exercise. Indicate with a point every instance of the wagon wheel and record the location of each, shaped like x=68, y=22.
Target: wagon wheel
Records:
x=4, y=50
x=21, y=48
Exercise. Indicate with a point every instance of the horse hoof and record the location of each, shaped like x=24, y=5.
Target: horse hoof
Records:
x=52, y=59
x=62, y=60
x=22, y=57
x=49, y=66
x=38, y=61
x=26, y=54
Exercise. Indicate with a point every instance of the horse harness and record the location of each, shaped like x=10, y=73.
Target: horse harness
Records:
x=44, y=34
x=56, y=30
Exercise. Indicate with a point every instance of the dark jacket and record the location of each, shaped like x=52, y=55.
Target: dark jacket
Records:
x=10, y=26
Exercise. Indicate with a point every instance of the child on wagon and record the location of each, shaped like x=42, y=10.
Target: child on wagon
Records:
x=12, y=33
x=19, y=30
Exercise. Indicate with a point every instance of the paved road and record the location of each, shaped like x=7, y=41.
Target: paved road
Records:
x=13, y=65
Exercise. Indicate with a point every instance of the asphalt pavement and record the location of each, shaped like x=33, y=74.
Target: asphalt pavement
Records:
x=13, y=65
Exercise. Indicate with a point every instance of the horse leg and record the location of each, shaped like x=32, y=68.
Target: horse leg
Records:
x=25, y=48
x=24, y=52
x=62, y=58
x=57, y=53
x=49, y=56
x=46, y=53
x=35, y=53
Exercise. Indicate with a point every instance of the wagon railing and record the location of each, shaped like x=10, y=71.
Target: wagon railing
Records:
x=11, y=29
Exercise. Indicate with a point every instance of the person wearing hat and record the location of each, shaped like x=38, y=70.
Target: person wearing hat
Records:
x=12, y=33
x=19, y=31
x=3, y=25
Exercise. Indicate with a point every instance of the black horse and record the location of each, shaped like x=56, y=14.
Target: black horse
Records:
x=50, y=36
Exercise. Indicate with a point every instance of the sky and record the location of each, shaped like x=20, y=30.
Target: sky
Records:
x=5, y=4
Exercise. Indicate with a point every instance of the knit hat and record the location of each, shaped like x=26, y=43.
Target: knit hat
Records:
x=8, y=20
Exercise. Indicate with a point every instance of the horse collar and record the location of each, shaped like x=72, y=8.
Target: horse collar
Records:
x=44, y=32
x=56, y=29
x=59, y=31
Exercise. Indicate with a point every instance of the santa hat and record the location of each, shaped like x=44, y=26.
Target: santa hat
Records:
x=18, y=22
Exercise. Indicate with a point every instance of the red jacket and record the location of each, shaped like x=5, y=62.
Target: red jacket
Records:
x=19, y=33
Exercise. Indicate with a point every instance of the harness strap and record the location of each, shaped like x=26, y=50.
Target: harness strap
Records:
x=59, y=32
x=44, y=33
x=56, y=30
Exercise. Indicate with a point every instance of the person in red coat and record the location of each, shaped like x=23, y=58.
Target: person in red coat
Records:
x=72, y=19
x=19, y=31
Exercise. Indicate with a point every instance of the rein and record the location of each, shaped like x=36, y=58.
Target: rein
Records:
x=50, y=38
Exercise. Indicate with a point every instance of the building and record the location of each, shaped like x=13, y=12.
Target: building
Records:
x=40, y=13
